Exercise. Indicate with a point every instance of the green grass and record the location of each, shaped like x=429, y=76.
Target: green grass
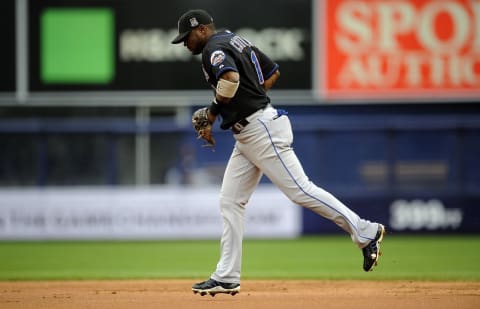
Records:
x=326, y=257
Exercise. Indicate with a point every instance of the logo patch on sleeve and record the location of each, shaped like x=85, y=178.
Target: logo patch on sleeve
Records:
x=217, y=57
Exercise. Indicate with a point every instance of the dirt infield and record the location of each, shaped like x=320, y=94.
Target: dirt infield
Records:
x=255, y=294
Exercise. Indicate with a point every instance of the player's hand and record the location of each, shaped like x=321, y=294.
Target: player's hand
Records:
x=203, y=126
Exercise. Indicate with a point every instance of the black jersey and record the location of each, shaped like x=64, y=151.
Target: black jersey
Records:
x=226, y=51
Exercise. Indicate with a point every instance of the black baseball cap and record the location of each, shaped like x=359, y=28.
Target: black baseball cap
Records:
x=189, y=21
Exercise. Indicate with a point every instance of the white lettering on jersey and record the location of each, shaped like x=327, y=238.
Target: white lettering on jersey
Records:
x=239, y=43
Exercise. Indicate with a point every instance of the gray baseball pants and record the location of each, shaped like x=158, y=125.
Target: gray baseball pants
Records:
x=264, y=147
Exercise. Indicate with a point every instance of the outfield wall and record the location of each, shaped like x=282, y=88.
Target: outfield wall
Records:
x=415, y=169
x=167, y=212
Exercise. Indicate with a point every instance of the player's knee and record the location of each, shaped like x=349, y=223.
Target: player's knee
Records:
x=297, y=199
x=302, y=199
x=302, y=193
x=226, y=202
x=229, y=203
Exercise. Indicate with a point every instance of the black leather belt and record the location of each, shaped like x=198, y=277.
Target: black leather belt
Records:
x=239, y=126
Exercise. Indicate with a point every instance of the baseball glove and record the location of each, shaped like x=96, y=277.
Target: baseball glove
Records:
x=203, y=126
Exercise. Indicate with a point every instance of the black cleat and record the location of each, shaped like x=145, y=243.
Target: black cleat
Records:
x=213, y=287
x=371, y=252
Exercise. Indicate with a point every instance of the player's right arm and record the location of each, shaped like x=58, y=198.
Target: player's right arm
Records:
x=230, y=77
x=269, y=68
x=271, y=80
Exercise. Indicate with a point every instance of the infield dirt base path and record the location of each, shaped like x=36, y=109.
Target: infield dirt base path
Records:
x=259, y=294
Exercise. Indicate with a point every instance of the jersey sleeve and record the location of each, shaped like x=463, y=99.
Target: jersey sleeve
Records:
x=267, y=65
x=220, y=62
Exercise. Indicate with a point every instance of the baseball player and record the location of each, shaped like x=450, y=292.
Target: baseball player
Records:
x=240, y=75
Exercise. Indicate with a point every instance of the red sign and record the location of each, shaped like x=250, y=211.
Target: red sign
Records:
x=398, y=48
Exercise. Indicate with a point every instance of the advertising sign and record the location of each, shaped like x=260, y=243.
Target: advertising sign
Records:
x=442, y=214
x=138, y=213
x=398, y=49
x=126, y=45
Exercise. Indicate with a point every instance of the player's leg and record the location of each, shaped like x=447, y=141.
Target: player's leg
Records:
x=280, y=164
x=239, y=181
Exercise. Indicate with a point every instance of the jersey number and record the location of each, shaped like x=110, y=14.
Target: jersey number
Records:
x=256, y=63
